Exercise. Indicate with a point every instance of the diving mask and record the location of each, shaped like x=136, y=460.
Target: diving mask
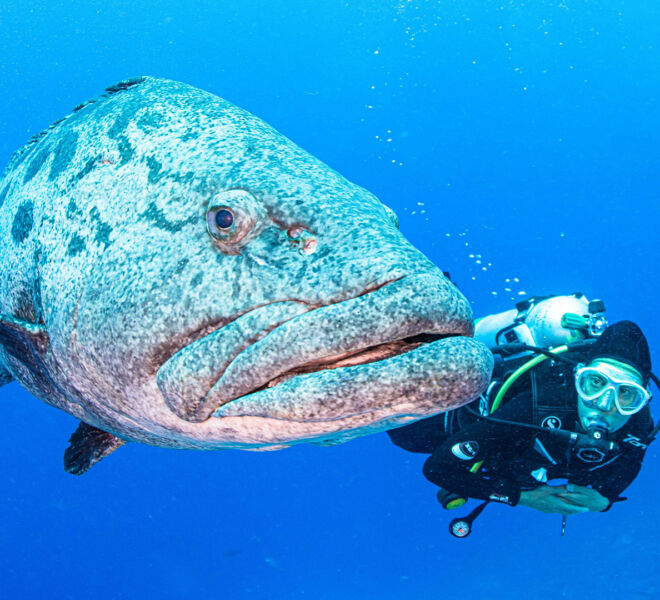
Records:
x=599, y=387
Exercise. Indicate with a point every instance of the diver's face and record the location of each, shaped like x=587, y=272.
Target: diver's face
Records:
x=603, y=412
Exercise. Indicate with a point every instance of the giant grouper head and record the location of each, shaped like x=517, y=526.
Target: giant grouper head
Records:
x=206, y=283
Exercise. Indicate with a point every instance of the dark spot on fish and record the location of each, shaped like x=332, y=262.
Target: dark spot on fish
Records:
x=64, y=153
x=150, y=120
x=180, y=266
x=72, y=210
x=197, y=279
x=87, y=168
x=76, y=245
x=155, y=170
x=3, y=194
x=156, y=216
x=121, y=123
x=125, y=150
x=18, y=157
x=35, y=164
x=186, y=178
x=103, y=230
x=23, y=222
x=189, y=135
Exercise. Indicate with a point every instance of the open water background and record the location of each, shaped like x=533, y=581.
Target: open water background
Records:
x=523, y=135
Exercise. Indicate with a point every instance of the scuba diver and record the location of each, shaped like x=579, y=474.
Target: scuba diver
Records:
x=569, y=402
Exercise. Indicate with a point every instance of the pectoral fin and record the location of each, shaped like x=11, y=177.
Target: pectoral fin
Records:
x=87, y=446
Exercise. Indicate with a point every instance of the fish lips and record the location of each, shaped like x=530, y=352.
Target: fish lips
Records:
x=342, y=403
x=275, y=343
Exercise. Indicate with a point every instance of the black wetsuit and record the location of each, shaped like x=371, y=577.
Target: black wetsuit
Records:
x=517, y=458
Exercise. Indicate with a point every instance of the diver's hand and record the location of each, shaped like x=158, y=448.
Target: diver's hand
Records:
x=551, y=499
x=583, y=496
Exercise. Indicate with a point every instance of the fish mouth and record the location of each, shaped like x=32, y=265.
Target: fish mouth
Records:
x=271, y=346
x=356, y=358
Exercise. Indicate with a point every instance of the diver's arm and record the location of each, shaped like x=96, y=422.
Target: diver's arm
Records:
x=449, y=466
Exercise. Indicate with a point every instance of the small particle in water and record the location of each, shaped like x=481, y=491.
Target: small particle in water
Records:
x=516, y=279
x=484, y=268
x=522, y=293
x=471, y=255
x=447, y=234
x=507, y=289
x=473, y=278
x=507, y=280
x=478, y=262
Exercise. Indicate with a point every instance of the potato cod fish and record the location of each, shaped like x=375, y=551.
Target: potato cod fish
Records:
x=174, y=271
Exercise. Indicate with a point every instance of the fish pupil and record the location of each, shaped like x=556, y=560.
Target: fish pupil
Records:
x=224, y=218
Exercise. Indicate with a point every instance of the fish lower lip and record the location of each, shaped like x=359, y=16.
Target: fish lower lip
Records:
x=420, y=382
x=352, y=359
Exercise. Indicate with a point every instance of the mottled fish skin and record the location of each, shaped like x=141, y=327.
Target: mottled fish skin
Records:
x=119, y=306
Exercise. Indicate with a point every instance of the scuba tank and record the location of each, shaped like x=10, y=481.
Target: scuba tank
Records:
x=544, y=321
x=520, y=339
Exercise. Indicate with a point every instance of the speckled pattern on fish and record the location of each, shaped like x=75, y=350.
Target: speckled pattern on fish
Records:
x=176, y=272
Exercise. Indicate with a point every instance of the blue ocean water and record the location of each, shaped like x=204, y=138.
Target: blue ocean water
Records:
x=518, y=143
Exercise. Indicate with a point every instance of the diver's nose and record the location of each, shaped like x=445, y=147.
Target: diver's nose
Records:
x=606, y=401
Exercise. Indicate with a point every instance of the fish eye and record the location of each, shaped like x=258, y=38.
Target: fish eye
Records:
x=231, y=216
x=224, y=218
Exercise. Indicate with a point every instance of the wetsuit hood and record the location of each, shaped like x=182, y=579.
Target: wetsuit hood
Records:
x=625, y=342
